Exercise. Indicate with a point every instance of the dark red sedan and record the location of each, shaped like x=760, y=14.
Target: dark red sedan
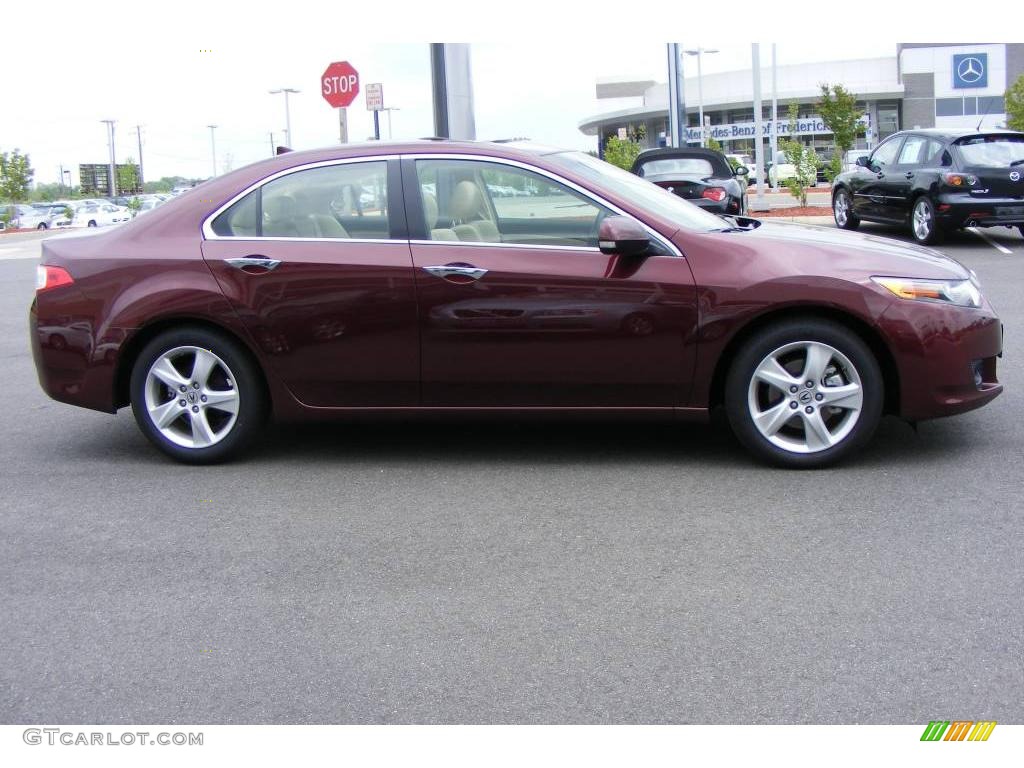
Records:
x=442, y=276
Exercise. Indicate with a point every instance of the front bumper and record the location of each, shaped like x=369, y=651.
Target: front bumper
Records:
x=946, y=357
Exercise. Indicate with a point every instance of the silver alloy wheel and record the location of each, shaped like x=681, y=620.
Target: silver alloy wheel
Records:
x=805, y=397
x=922, y=219
x=191, y=397
x=841, y=209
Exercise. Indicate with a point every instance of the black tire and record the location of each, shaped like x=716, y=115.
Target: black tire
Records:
x=851, y=221
x=776, y=337
x=932, y=233
x=92, y=223
x=42, y=225
x=247, y=382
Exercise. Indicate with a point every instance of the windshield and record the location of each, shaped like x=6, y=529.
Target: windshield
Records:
x=643, y=194
x=693, y=166
x=992, y=151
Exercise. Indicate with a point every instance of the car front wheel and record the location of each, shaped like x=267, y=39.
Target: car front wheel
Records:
x=842, y=210
x=196, y=395
x=804, y=394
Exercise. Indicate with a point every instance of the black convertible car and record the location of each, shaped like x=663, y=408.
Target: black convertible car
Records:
x=701, y=176
x=935, y=181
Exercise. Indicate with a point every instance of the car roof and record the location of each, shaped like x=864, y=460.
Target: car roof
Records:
x=952, y=135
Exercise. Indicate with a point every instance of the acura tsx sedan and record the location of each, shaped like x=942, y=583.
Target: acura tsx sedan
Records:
x=404, y=278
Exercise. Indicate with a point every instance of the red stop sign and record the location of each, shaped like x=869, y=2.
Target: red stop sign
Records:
x=340, y=84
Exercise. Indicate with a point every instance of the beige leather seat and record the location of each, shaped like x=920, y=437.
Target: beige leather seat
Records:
x=430, y=213
x=279, y=217
x=467, y=208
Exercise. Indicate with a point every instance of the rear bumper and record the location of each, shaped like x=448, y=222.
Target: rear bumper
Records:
x=963, y=209
x=946, y=356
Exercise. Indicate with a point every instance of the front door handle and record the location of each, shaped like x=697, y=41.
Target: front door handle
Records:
x=458, y=270
x=249, y=262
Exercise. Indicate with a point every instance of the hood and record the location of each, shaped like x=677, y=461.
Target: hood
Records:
x=855, y=252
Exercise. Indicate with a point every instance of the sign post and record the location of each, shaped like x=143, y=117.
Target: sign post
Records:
x=375, y=103
x=339, y=85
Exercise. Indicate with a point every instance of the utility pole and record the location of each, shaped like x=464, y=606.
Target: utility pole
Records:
x=113, y=163
x=213, y=148
x=61, y=178
x=287, y=114
x=699, y=52
x=138, y=135
x=273, y=148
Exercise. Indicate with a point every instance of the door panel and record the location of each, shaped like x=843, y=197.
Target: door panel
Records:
x=871, y=186
x=337, y=320
x=554, y=327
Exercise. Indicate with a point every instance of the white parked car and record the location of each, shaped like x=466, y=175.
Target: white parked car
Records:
x=747, y=161
x=27, y=217
x=850, y=158
x=86, y=214
x=148, y=204
x=781, y=169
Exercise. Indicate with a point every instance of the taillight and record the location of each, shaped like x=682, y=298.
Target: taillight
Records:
x=960, y=179
x=48, y=277
x=714, y=193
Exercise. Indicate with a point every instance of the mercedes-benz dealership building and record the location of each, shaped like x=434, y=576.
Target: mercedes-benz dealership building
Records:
x=944, y=85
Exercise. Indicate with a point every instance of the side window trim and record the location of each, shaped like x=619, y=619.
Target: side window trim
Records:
x=414, y=204
x=390, y=161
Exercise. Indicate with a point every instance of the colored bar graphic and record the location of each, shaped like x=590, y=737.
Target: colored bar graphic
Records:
x=935, y=730
x=958, y=730
x=982, y=730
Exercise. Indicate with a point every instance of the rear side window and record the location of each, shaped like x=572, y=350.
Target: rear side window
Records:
x=348, y=200
x=911, y=152
x=241, y=219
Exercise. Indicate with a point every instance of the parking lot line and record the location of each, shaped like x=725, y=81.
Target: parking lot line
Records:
x=989, y=240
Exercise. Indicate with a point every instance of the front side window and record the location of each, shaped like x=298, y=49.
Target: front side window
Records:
x=343, y=201
x=484, y=202
x=886, y=154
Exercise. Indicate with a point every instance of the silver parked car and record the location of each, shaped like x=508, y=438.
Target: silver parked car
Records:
x=26, y=217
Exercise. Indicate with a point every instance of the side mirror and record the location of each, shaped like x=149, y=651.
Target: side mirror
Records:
x=741, y=170
x=623, y=236
x=864, y=161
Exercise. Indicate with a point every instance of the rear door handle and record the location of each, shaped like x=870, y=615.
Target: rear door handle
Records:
x=910, y=174
x=447, y=271
x=262, y=262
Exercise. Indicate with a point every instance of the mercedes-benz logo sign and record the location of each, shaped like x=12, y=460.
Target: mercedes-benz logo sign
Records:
x=1014, y=175
x=970, y=70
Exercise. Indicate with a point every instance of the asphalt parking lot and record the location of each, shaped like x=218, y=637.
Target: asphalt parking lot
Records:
x=486, y=573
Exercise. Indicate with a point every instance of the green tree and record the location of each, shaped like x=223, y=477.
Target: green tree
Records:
x=15, y=176
x=803, y=158
x=838, y=110
x=621, y=152
x=128, y=178
x=1015, y=105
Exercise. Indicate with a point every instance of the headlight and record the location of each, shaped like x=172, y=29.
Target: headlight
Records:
x=962, y=293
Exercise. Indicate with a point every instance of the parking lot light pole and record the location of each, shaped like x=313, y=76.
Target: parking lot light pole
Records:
x=698, y=52
x=287, y=115
x=775, y=112
x=213, y=148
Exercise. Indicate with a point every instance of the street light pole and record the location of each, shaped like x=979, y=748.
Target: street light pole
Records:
x=389, y=110
x=287, y=114
x=698, y=52
x=775, y=113
x=138, y=135
x=113, y=167
x=213, y=148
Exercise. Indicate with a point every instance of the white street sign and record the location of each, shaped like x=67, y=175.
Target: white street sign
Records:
x=375, y=96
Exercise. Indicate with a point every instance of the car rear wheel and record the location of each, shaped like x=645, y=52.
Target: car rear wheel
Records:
x=842, y=210
x=42, y=225
x=92, y=223
x=196, y=395
x=804, y=394
x=923, y=225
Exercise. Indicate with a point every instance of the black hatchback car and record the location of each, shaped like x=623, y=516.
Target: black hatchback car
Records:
x=702, y=176
x=935, y=181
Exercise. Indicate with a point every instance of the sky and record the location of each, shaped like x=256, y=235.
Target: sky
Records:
x=174, y=77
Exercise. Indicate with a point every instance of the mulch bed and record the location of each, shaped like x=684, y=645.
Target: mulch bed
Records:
x=808, y=210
